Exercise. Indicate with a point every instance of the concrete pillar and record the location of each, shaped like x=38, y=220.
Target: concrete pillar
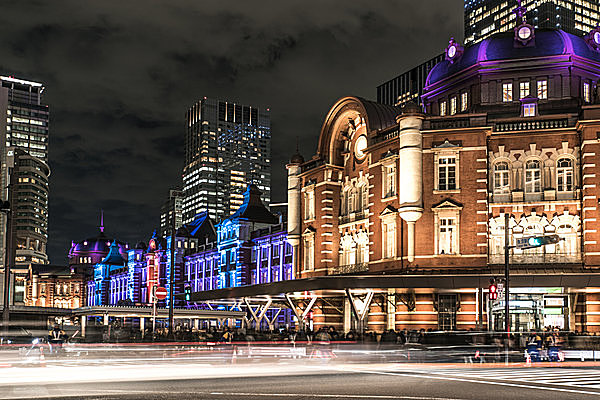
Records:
x=196, y=323
x=83, y=324
x=411, y=171
x=391, y=309
x=142, y=325
x=294, y=224
x=105, y=322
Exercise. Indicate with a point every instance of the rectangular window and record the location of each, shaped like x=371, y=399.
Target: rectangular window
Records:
x=586, y=92
x=447, y=236
x=464, y=101
x=447, y=307
x=453, y=105
x=507, y=92
x=564, y=175
x=276, y=250
x=529, y=110
x=309, y=254
x=542, y=89
x=523, y=90
x=533, y=174
x=447, y=173
x=389, y=181
x=389, y=240
x=309, y=205
x=443, y=108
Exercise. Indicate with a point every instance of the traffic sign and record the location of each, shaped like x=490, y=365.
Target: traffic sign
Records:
x=161, y=293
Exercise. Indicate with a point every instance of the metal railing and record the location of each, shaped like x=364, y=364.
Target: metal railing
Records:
x=349, y=269
x=531, y=125
x=354, y=216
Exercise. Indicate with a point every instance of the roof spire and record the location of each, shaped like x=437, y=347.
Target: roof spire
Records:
x=102, y=220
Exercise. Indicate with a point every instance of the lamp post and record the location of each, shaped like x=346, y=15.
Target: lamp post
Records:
x=172, y=276
x=9, y=256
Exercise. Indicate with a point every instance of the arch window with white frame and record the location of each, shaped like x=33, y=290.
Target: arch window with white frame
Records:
x=564, y=174
x=362, y=198
x=533, y=176
x=501, y=178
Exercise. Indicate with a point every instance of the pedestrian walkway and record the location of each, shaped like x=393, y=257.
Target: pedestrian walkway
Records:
x=572, y=377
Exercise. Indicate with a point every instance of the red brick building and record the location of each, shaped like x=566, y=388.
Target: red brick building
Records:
x=511, y=126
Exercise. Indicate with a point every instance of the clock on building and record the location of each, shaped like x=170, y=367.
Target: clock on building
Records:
x=524, y=33
x=360, y=146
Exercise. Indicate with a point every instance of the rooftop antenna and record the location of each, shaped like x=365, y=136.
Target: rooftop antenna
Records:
x=102, y=220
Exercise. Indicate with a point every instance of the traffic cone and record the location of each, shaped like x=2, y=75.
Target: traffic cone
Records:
x=234, y=355
x=42, y=357
x=527, y=359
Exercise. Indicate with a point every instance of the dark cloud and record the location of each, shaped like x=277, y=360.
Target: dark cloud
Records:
x=120, y=75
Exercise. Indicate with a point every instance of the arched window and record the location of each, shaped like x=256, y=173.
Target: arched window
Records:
x=533, y=176
x=501, y=178
x=564, y=174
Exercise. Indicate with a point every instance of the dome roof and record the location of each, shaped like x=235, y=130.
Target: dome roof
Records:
x=297, y=159
x=548, y=42
x=98, y=244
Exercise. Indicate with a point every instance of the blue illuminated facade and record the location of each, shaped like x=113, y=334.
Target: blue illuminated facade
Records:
x=249, y=247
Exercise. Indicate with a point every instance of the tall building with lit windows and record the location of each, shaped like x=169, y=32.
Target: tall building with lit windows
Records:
x=483, y=18
x=227, y=146
x=24, y=146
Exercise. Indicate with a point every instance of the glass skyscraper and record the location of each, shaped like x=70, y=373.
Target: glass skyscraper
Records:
x=227, y=146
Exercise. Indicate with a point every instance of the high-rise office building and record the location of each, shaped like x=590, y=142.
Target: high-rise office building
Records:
x=483, y=18
x=227, y=146
x=171, y=212
x=407, y=86
x=24, y=158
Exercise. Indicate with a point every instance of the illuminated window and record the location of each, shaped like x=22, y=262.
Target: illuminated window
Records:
x=443, y=108
x=464, y=101
x=501, y=178
x=529, y=110
x=523, y=90
x=309, y=252
x=542, y=89
x=564, y=174
x=586, y=92
x=533, y=175
x=447, y=236
x=309, y=205
x=453, y=105
x=507, y=92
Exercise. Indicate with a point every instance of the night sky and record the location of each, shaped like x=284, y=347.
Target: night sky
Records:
x=119, y=76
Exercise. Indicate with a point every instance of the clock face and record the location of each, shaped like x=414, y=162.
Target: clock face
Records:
x=360, y=146
x=524, y=32
x=597, y=38
x=452, y=51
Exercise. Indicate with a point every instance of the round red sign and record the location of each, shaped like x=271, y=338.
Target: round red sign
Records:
x=161, y=293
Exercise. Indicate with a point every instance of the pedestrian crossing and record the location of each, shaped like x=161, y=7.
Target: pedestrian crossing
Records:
x=571, y=377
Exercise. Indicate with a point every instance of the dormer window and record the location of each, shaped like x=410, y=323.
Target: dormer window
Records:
x=523, y=89
x=453, y=105
x=443, y=106
x=507, y=92
x=529, y=110
x=586, y=92
x=529, y=106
